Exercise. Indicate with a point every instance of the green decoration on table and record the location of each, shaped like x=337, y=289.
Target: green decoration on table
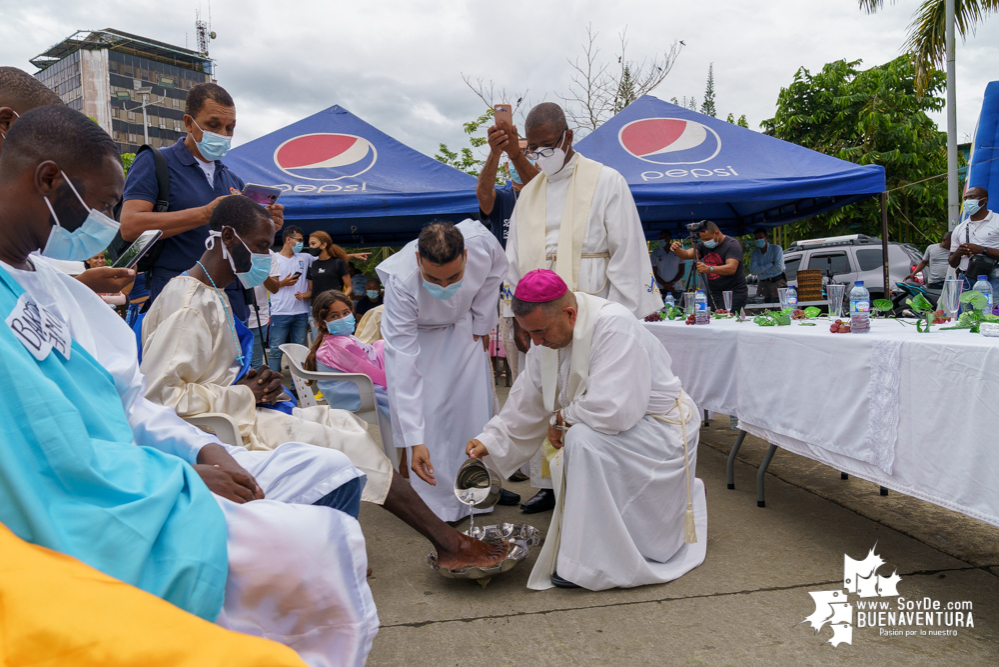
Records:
x=883, y=306
x=972, y=319
x=812, y=312
x=923, y=310
x=771, y=319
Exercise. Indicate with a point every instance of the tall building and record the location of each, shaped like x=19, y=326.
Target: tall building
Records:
x=110, y=75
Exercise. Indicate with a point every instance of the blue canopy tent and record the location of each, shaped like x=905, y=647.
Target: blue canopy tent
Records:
x=345, y=177
x=682, y=166
x=984, y=162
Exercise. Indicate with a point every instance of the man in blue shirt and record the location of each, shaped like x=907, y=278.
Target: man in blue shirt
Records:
x=766, y=262
x=198, y=179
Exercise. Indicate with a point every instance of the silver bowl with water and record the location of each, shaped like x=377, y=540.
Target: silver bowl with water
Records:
x=521, y=536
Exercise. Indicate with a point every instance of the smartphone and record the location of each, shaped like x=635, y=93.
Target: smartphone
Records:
x=503, y=112
x=296, y=275
x=134, y=252
x=264, y=195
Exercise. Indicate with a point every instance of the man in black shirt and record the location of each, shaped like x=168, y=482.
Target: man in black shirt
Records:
x=372, y=299
x=719, y=258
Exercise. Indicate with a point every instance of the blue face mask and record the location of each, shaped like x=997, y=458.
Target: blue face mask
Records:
x=710, y=244
x=297, y=248
x=760, y=243
x=212, y=146
x=260, y=263
x=341, y=327
x=442, y=293
x=90, y=238
x=372, y=294
x=514, y=176
x=972, y=206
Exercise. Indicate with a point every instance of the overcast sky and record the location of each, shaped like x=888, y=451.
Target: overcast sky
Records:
x=398, y=63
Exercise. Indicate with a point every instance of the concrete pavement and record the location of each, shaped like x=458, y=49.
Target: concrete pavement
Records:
x=743, y=606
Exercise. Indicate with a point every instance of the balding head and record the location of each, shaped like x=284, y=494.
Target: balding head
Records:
x=546, y=113
x=19, y=93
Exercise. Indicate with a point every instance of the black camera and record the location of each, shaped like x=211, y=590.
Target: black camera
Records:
x=698, y=227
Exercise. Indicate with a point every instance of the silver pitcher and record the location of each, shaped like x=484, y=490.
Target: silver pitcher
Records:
x=477, y=485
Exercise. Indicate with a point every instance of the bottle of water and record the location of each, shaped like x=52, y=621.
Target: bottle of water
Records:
x=860, y=308
x=701, y=315
x=792, y=298
x=985, y=288
x=668, y=301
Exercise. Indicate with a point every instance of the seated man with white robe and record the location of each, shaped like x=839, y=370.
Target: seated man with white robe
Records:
x=621, y=442
x=93, y=470
x=191, y=357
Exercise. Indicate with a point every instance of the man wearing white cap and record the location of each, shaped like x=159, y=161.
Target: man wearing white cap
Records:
x=621, y=442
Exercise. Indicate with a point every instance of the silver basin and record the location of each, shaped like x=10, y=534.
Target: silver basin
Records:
x=521, y=535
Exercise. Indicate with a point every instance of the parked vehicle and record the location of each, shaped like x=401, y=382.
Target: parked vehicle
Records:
x=845, y=259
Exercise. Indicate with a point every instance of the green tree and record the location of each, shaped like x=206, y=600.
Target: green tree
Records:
x=927, y=38
x=872, y=116
x=741, y=122
x=708, y=105
x=465, y=159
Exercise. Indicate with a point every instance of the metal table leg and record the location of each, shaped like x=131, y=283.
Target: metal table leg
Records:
x=731, y=458
x=760, y=502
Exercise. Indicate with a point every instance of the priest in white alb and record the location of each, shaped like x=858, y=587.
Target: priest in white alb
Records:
x=440, y=305
x=620, y=437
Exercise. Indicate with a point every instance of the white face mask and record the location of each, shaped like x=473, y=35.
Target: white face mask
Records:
x=555, y=162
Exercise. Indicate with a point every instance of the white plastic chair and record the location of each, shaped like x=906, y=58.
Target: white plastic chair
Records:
x=368, y=411
x=224, y=427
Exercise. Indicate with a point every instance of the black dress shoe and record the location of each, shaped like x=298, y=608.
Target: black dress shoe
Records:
x=542, y=502
x=563, y=583
x=518, y=477
x=508, y=498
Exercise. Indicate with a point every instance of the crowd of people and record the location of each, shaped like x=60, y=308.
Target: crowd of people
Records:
x=260, y=536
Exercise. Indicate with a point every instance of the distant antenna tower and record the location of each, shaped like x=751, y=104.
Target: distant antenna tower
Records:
x=204, y=30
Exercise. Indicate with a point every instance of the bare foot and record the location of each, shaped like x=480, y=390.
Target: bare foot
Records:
x=471, y=552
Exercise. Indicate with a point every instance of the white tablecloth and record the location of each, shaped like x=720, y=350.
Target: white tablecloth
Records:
x=917, y=413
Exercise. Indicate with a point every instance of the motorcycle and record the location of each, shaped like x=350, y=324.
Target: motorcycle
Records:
x=903, y=291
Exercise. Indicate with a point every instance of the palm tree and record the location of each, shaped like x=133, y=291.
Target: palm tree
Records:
x=927, y=40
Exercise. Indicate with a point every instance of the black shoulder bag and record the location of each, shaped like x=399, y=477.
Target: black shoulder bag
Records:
x=162, y=203
x=978, y=265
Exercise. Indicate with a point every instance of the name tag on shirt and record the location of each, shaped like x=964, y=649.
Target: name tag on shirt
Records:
x=38, y=329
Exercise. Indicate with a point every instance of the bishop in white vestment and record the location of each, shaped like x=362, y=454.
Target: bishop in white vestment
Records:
x=623, y=442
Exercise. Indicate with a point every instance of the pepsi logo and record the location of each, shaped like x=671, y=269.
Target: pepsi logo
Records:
x=670, y=141
x=325, y=156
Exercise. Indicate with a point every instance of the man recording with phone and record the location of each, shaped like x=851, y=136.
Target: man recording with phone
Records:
x=198, y=179
x=496, y=205
x=719, y=258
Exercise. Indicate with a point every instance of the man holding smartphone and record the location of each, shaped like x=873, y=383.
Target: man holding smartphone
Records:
x=289, y=284
x=198, y=180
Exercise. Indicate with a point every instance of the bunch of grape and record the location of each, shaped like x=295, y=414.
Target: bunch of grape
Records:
x=940, y=317
x=691, y=319
x=839, y=326
x=798, y=315
x=722, y=311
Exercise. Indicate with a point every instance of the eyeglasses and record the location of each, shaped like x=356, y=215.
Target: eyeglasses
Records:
x=544, y=152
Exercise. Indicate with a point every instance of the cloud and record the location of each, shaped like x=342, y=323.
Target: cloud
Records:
x=398, y=64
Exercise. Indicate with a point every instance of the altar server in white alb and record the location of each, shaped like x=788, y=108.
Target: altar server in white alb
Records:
x=578, y=218
x=621, y=442
x=440, y=305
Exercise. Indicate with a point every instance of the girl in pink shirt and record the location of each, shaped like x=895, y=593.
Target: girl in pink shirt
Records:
x=336, y=349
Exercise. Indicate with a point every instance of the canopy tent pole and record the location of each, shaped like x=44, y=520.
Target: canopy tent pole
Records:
x=884, y=243
x=953, y=197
